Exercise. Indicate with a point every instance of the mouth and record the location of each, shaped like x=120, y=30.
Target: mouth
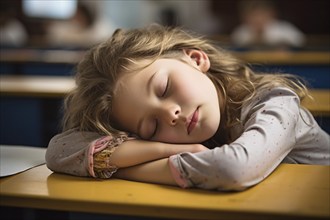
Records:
x=193, y=120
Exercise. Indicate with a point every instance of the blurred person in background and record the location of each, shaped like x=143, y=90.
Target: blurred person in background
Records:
x=12, y=31
x=194, y=15
x=85, y=28
x=261, y=27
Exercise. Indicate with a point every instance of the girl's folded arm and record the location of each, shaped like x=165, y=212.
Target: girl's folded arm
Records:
x=90, y=154
x=138, y=152
x=69, y=152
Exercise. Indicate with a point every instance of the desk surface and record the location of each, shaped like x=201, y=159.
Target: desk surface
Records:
x=320, y=104
x=292, y=191
x=36, y=86
x=41, y=56
x=285, y=57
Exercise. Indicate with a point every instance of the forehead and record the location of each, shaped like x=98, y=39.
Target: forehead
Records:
x=136, y=73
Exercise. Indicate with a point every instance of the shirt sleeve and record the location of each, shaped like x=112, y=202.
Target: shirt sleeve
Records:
x=83, y=153
x=268, y=136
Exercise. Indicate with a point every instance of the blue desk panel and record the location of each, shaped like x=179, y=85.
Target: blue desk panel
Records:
x=318, y=76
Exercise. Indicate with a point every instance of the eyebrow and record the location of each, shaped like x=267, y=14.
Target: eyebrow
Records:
x=149, y=82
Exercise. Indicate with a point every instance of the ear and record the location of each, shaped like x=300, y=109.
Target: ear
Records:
x=198, y=58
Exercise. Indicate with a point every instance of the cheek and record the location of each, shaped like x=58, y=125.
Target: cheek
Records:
x=187, y=90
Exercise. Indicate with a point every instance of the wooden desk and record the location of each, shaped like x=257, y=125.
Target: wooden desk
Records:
x=320, y=104
x=285, y=57
x=292, y=191
x=41, y=56
x=252, y=56
x=36, y=86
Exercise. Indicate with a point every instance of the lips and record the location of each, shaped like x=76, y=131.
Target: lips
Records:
x=192, y=121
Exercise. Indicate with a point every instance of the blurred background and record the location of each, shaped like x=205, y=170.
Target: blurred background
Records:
x=42, y=41
x=49, y=23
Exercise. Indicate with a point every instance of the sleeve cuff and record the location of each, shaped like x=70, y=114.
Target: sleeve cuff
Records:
x=99, y=156
x=176, y=174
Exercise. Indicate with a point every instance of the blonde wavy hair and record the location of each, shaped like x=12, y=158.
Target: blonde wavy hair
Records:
x=88, y=107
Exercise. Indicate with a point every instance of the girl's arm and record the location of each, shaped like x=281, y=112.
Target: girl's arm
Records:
x=134, y=152
x=157, y=171
x=90, y=154
x=71, y=152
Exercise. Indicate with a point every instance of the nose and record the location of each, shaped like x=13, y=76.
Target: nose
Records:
x=171, y=114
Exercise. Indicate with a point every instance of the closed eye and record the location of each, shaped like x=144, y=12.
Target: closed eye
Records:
x=156, y=128
x=165, y=89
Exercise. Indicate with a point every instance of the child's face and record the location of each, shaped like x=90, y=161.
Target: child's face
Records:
x=168, y=101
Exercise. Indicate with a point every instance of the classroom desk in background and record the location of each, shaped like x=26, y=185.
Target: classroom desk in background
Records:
x=251, y=56
x=291, y=192
x=36, y=86
x=35, y=103
x=284, y=57
x=314, y=66
x=19, y=56
x=39, y=61
x=56, y=86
